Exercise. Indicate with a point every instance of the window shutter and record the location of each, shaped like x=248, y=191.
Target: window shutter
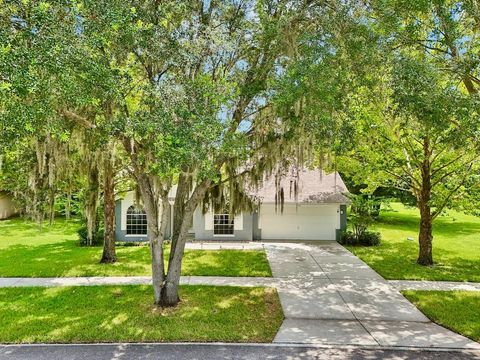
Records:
x=238, y=222
x=209, y=220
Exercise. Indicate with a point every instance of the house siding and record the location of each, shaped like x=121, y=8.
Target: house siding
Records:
x=257, y=232
x=121, y=220
x=251, y=230
x=343, y=222
x=207, y=235
x=7, y=208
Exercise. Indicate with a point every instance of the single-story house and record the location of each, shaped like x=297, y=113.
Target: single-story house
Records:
x=7, y=207
x=317, y=212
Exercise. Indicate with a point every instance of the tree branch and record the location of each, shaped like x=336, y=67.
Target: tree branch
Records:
x=79, y=119
x=440, y=208
x=444, y=176
x=435, y=171
x=400, y=177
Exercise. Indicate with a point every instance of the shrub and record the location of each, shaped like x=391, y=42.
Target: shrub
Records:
x=61, y=205
x=363, y=212
x=131, y=243
x=348, y=238
x=369, y=238
x=97, y=236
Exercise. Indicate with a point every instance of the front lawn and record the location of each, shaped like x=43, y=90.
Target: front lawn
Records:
x=53, y=251
x=126, y=314
x=456, y=247
x=456, y=310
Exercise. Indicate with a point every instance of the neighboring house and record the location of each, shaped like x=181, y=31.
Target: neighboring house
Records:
x=7, y=207
x=318, y=212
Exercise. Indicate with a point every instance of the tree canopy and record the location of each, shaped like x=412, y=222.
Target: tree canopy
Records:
x=209, y=97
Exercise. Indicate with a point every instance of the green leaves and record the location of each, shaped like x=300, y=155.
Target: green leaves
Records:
x=444, y=32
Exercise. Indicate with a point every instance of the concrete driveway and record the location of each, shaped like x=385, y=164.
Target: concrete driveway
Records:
x=329, y=296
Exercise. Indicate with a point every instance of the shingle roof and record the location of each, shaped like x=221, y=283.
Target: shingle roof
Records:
x=314, y=186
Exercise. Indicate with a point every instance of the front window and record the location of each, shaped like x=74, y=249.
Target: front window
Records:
x=222, y=224
x=136, y=221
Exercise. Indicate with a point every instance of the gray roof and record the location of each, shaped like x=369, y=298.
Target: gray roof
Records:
x=314, y=186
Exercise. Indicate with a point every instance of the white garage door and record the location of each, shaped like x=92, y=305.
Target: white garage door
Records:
x=305, y=222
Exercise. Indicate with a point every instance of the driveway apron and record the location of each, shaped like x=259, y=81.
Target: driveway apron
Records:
x=329, y=296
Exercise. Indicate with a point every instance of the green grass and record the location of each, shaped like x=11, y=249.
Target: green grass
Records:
x=456, y=247
x=456, y=310
x=53, y=251
x=126, y=314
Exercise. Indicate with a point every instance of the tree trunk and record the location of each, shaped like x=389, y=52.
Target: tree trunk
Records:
x=109, y=255
x=156, y=208
x=155, y=201
x=425, y=236
x=425, y=256
x=450, y=40
x=472, y=90
x=51, y=206
x=179, y=208
x=158, y=270
x=156, y=249
x=154, y=194
x=170, y=295
x=92, y=203
x=68, y=205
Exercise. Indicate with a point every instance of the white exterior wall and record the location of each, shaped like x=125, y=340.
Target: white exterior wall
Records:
x=203, y=227
x=297, y=222
x=7, y=208
x=126, y=202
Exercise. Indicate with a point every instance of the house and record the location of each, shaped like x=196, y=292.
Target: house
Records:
x=317, y=212
x=7, y=208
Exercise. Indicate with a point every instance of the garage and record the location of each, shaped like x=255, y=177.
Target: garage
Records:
x=299, y=222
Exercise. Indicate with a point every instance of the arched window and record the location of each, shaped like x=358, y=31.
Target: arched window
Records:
x=136, y=221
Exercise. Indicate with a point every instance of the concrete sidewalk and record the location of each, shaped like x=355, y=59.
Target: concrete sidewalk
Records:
x=230, y=245
x=329, y=296
x=136, y=280
x=434, y=285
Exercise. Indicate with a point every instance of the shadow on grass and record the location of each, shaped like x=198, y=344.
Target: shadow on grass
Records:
x=17, y=228
x=398, y=261
x=226, y=263
x=455, y=248
x=456, y=310
x=126, y=313
x=66, y=258
x=28, y=250
x=445, y=225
